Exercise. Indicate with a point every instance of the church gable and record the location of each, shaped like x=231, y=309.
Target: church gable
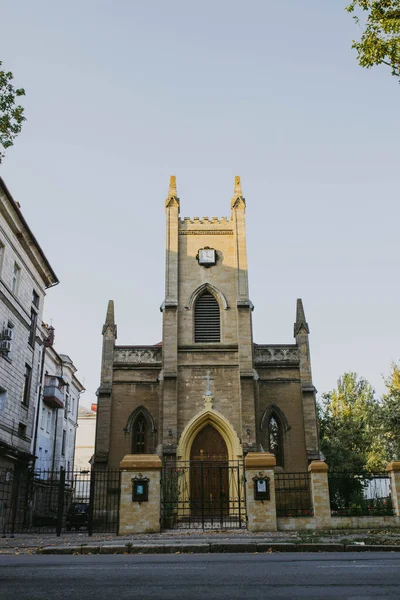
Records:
x=149, y=395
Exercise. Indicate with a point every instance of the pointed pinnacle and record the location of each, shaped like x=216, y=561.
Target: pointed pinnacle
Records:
x=301, y=322
x=238, y=187
x=172, y=187
x=238, y=201
x=110, y=320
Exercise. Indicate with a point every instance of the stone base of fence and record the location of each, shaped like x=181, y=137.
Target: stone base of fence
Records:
x=320, y=494
x=393, y=469
x=140, y=516
x=310, y=524
x=365, y=522
x=261, y=514
x=296, y=523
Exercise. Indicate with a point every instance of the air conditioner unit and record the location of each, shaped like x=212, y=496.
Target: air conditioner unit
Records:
x=5, y=346
x=8, y=333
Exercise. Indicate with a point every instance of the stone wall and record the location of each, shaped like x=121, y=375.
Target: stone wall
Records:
x=364, y=522
x=280, y=386
x=132, y=388
x=140, y=517
x=261, y=514
x=296, y=523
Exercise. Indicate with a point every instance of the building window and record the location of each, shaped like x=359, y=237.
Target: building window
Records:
x=27, y=385
x=275, y=440
x=207, y=326
x=139, y=435
x=32, y=329
x=42, y=420
x=1, y=255
x=63, y=443
x=35, y=299
x=3, y=398
x=15, y=278
x=21, y=429
x=66, y=407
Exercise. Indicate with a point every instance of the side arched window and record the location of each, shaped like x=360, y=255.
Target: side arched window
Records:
x=275, y=439
x=139, y=438
x=207, y=322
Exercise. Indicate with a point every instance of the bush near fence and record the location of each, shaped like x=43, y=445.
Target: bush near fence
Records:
x=360, y=494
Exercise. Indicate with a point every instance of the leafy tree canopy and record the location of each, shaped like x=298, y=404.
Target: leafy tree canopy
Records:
x=359, y=432
x=380, y=40
x=348, y=421
x=390, y=414
x=11, y=113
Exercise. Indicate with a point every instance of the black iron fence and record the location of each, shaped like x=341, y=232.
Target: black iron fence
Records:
x=360, y=494
x=58, y=501
x=203, y=495
x=293, y=495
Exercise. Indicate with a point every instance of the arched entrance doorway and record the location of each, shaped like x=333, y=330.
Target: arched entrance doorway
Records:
x=209, y=473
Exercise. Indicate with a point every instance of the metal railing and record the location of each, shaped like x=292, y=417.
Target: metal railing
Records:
x=293, y=495
x=58, y=501
x=203, y=495
x=360, y=494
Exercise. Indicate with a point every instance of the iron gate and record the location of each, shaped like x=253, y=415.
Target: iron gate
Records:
x=203, y=495
x=59, y=501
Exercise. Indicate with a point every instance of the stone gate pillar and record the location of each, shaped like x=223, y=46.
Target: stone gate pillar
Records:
x=140, y=494
x=393, y=469
x=320, y=494
x=261, y=514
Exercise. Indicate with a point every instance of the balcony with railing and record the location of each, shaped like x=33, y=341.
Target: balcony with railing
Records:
x=53, y=394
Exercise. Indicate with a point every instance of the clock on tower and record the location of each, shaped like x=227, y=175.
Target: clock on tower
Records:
x=206, y=257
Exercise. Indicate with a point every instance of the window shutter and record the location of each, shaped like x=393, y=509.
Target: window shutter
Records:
x=207, y=319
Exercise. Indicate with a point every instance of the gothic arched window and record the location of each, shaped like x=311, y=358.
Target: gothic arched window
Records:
x=139, y=435
x=207, y=322
x=275, y=439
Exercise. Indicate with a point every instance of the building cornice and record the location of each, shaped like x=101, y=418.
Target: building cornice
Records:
x=15, y=219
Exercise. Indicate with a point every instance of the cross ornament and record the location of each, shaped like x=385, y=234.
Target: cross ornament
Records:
x=208, y=379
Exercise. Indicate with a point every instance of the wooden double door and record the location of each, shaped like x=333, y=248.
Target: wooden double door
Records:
x=209, y=474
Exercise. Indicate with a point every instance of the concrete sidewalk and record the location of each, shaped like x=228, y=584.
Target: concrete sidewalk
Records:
x=195, y=542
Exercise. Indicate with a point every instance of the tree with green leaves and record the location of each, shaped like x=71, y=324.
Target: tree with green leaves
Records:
x=390, y=414
x=380, y=40
x=11, y=113
x=349, y=422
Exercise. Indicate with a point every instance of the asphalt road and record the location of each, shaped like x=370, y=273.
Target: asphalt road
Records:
x=183, y=577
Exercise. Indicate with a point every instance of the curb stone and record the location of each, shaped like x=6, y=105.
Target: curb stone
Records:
x=265, y=547
x=371, y=548
x=320, y=547
x=113, y=549
x=90, y=549
x=188, y=548
x=232, y=547
x=213, y=548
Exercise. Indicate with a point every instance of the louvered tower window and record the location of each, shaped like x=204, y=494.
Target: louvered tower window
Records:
x=207, y=319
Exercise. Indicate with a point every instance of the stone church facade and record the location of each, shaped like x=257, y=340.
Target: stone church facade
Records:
x=207, y=390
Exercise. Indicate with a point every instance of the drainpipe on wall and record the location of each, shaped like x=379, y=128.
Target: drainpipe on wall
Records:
x=49, y=341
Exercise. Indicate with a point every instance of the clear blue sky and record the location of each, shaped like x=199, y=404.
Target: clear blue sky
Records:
x=122, y=94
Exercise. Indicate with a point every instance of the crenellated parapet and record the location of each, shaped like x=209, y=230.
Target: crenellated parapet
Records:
x=273, y=353
x=205, y=225
x=137, y=355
